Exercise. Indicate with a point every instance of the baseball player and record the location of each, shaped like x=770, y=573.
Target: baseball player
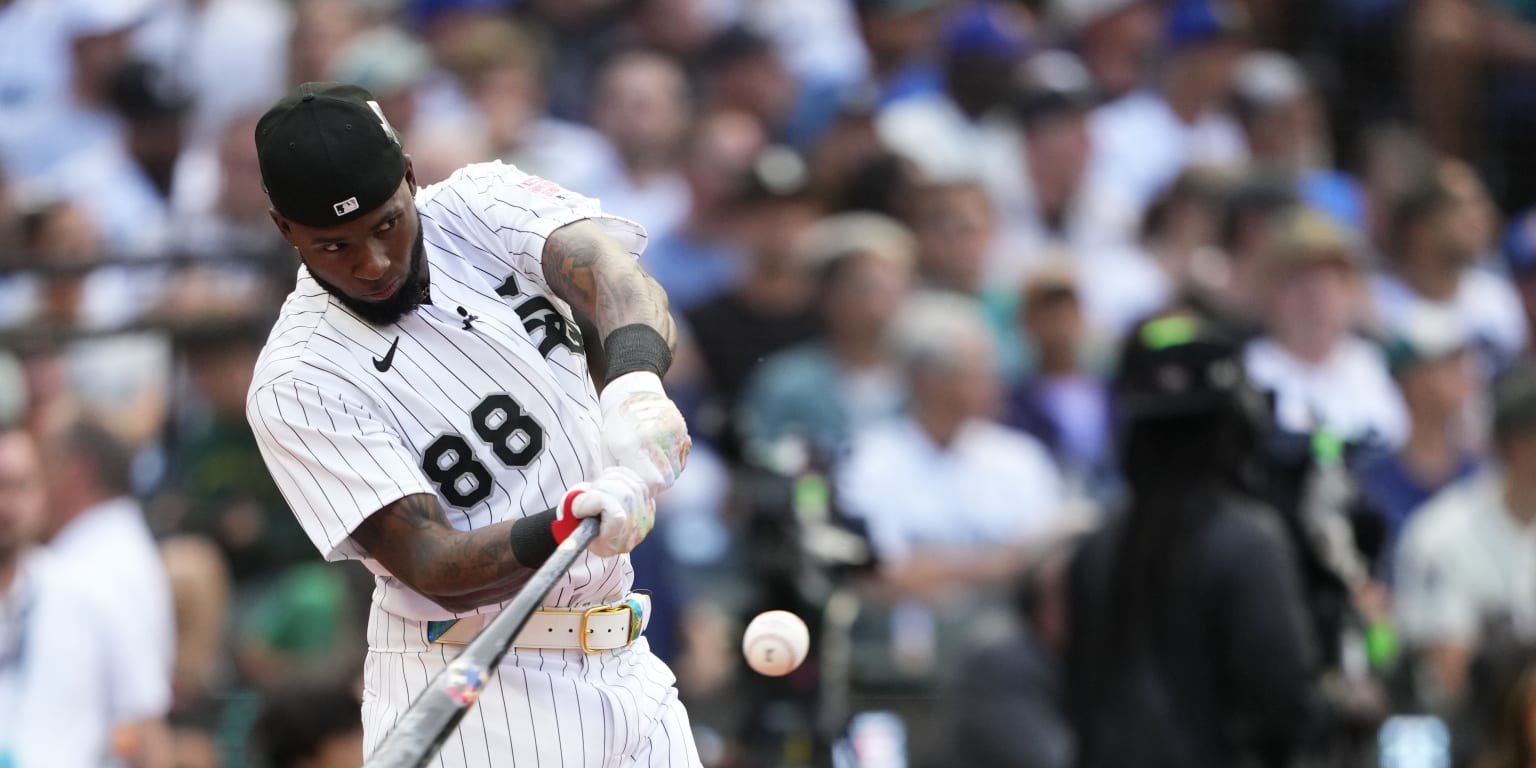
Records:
x=424, y=404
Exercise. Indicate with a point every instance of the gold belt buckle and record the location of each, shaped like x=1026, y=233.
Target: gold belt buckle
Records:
x=603, y=610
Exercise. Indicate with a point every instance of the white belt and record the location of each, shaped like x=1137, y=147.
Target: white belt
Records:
x=602, y=627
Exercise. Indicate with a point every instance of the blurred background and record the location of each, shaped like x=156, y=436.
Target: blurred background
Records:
x=904, y=240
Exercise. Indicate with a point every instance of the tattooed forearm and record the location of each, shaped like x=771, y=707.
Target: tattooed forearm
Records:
x=460, y=570
x=591, y=271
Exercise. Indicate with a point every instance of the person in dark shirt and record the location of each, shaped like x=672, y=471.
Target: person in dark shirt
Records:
x=1431, y=360
x=772, y=307
x=1190, y=644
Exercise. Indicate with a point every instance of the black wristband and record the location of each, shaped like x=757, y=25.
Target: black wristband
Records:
x=637, y=347
x=533, y=539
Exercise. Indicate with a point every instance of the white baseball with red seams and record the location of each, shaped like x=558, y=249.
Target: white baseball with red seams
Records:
x=775, y=643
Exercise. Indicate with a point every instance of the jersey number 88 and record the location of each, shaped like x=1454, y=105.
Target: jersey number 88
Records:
x=501, y=423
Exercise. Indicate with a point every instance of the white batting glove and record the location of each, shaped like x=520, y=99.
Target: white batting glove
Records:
x=621, y=501
x=643, y=430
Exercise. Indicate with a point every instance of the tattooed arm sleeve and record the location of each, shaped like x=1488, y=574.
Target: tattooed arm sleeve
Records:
x=592, y=272
x=459, y=570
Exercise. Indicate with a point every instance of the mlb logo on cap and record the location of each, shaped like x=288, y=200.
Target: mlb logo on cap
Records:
x=346, y=206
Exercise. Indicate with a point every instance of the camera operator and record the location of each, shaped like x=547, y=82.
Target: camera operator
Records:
x=1191, y=645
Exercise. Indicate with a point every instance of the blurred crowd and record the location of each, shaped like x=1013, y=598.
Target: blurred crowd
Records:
x=905, y=240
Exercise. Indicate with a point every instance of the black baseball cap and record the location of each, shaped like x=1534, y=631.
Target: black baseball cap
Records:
x=1177, y=366
x=328, y=155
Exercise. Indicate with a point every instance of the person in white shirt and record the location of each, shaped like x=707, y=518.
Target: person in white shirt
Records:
x=953, y=504
x=1064, y=206
x=1438, y=239
x=59, y=665
x=1144, y=139
x=641, y=105
x=950, y=498
x=1323, y=376
x=1466, y=567
x=97, y=530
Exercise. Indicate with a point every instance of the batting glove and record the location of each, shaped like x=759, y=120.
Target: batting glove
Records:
x=622, y=504
x=643, y=430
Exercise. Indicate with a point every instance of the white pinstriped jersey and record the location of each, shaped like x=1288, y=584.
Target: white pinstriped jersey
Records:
x=481, y=397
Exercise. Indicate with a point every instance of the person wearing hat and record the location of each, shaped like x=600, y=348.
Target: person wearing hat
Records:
x=1466, y=564
x=1322, y=374
x=1190, y=645
x=1431, y=365
x=1146, y=138
x=961, y=132
x=426, y=405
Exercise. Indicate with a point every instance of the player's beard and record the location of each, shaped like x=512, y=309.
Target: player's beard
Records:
x=412, y=293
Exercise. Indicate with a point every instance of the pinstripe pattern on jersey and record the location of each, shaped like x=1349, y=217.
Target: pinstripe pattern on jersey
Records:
x=343, y=439
x=556, y=709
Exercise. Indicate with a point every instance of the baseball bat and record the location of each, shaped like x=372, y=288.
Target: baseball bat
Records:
x=434, y=714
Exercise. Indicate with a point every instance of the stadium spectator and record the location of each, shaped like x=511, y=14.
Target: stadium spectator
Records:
x=954, y=504
x=62, y=671
x=501, y=67
x=94, y=524
x=641, y=104
x=959, y=134
x=1230, y=288
x=1466, y=567
x=1144, y=139
x=1190, y=644
x=1176, y=252
x=222, y=219
x=228, y=55
x=1065, y=207
x=1117, y=39
x=950, y=497
x=321, y=31
x=744, y=72
x=53, y=237
x=128, y=186
x=1323, y=376
x=1287, y=131
x=1063, y=405
x=829, y=389
x=703, y=256
x=679, y=28
x=1434, y=255
x=243, y=514
x=956, y=226
x=62, y=56
x=770, y=308
x=1430, y=363
x=308, y=726
x=901, y=37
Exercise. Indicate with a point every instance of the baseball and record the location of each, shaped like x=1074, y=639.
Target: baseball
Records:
x=775, y=643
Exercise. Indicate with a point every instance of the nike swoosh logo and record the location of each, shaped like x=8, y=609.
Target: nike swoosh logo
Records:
x=389, y=358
